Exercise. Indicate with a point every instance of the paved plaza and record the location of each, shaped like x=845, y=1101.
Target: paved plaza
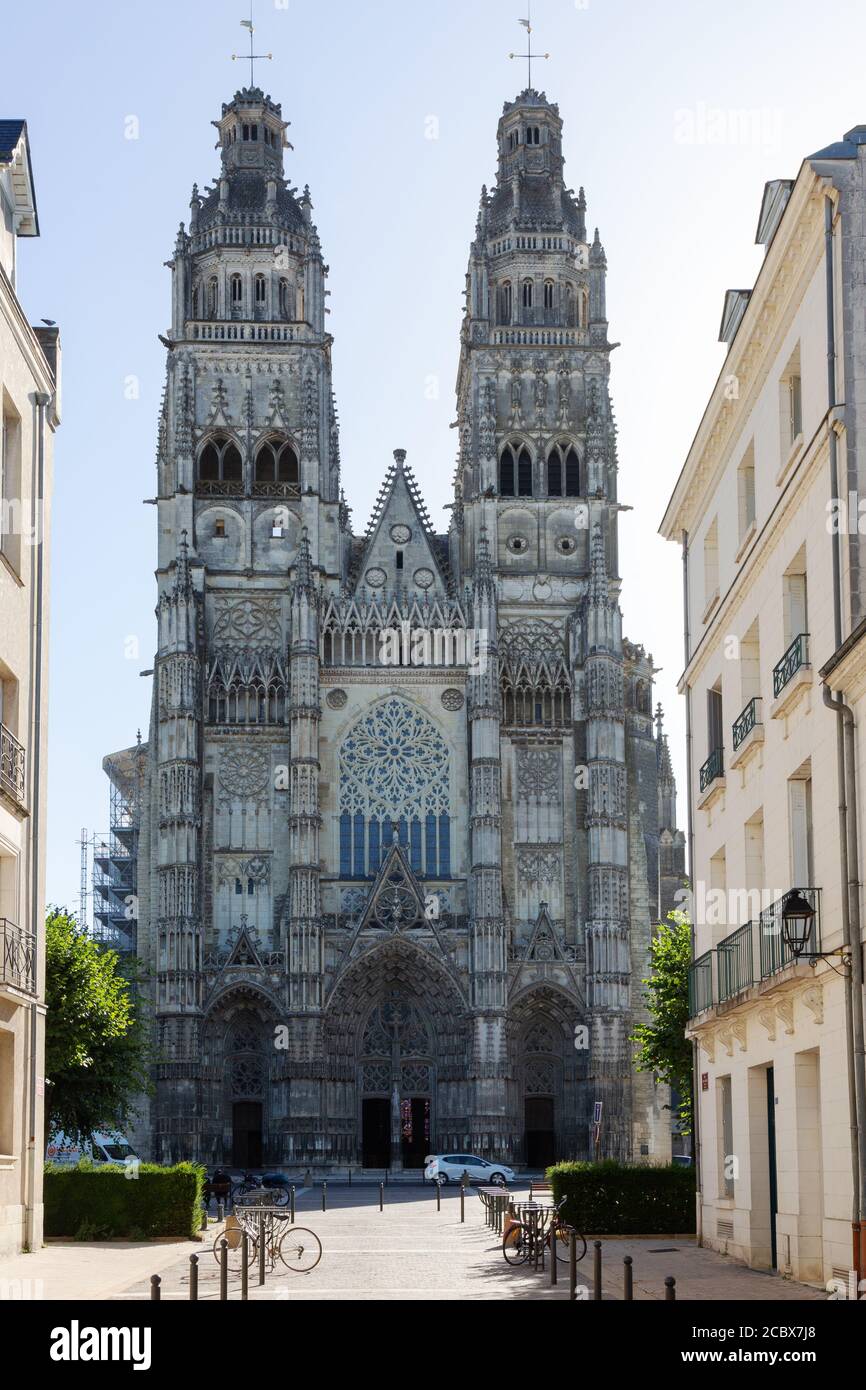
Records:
x=409, y=1251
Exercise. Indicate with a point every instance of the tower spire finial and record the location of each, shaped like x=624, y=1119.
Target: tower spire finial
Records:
x=529, y=55
x=253, y=57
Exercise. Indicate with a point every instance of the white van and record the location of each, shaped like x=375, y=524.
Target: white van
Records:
x=102, y=1148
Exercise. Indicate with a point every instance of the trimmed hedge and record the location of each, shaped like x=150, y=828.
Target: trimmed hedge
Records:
x=616, y=1199
x=99, y=1202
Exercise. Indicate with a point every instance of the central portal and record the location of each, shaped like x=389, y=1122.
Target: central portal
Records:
x=247, y=1134
x=415, y=1131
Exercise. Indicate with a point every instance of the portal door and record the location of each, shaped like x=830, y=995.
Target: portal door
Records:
x=415, y=1131
x=376, y=1132
x=247, y=1134
x=539, y=1123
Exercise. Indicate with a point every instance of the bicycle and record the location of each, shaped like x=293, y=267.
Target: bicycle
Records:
x=298, y=1248
x=519, y=1238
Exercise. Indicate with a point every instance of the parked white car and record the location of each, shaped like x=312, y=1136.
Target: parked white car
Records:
x=444, y=1168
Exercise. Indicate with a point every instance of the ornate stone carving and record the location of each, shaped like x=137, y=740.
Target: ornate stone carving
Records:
x=539, y=773
x=248, y=622
x=244, y=771
x=813, y=998
x=453, y=700
x=337, y=699
x=538, y=866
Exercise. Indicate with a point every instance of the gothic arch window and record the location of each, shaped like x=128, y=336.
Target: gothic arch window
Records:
x=261, y=291
x=286, y=305
x=528, y=291
x=196, y=299
x=220, y=461
x=236, y=286
x=563, y=471
x=570, y=306
x=515, y=472
x=549, y=294
x=504, y=307
x=277, y=462
x=212, y=296
x=395, y=776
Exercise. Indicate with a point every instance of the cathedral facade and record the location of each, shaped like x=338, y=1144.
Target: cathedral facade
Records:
x=406, y=820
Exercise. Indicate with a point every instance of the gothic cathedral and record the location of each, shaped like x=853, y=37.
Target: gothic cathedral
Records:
x=406, y=821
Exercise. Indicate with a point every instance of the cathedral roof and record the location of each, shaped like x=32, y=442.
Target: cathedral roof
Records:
x=248, y=195
x=541, y=205
x=400, y=504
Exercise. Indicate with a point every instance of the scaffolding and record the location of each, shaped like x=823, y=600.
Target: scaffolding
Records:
x=115, y=854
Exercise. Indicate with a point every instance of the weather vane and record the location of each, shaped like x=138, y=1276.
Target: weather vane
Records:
x=528, y=55
x=253, y=57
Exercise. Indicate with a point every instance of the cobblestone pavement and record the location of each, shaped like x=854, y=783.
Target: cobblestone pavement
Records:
x=411, y=1251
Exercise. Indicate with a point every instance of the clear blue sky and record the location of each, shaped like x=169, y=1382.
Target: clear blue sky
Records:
x=640, y=87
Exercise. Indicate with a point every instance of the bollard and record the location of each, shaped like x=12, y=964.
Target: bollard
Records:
x=553, y=1240
x=596, y=1272
x=324, y=1196
x=438, y=1186
x=204, y=1218
x=261, y=1250
x=221, y=1211
x=381, y=1196
x=245, y=1268
x=293, y=1206
x=224, y=1270
x=670, y=1289
x=155, y=1282
x=628, y=1287
x=572, y=1267
x=193, y=1278
x=462, y=1204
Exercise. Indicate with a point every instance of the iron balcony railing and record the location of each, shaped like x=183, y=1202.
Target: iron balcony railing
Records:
x=735, y=963
x=776, y=954
x=796, y=656
x=17, y=957
x=701, y=984
x=12, y=762
x=714, y=767
x=746, y=722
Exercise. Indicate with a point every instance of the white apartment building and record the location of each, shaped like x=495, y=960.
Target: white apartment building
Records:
x=29, y=393
x=775, y=600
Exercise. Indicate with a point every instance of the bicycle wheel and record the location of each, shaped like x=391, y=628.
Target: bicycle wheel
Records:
x=235, y=1250
x=299, y=1249
x=563, y=1245
x=280, y=1196
x=515, y=1245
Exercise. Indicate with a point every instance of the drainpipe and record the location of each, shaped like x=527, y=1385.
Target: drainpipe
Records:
x=696, y=1057
x=848, y=849
x=35, y=1140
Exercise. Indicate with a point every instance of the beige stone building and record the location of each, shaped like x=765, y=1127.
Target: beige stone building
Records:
x=766, y=511
x=29, y=393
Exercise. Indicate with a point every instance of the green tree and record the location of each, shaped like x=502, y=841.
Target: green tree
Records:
x=96, y=1054
x=662, y=1044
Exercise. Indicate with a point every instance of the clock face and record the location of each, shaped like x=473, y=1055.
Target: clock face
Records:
x=401, y=535
x=424, y=578
x=376, y=578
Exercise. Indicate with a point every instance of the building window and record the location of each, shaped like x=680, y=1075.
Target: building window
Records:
x=219, y=529
x=800, y=827
x=711, y=564
x=515, y=467
x=11, y=501
x=261, y=289
x=563, y=471
x=220, y=461
x=8, y=1091
x=504, y=303
x=277, y=462
x=795, y=605
x=726, y=1136
x=212, y=296
x=791, y=404
x=527, y=294
x=746, y=492
x=548, y=294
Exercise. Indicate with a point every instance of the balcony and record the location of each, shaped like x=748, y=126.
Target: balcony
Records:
x=12, y=766
x=748, y=731
x=776, y=954
x=219, y=487
x=792, y=675
x=701, y=984
x=17, y=957
x=712, y=777
x=735, y=963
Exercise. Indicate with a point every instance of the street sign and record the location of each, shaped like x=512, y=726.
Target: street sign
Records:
x=596, y=1117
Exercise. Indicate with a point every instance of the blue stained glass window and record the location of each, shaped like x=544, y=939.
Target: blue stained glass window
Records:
x=416, y=860
x=345, y=845
x=387, y=835
x=431, y=846
x=444, y=846
x=374, y=847
x=404, y=833
x=360, y=847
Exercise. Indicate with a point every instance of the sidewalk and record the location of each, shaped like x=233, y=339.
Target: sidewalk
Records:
x=91, y=1270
